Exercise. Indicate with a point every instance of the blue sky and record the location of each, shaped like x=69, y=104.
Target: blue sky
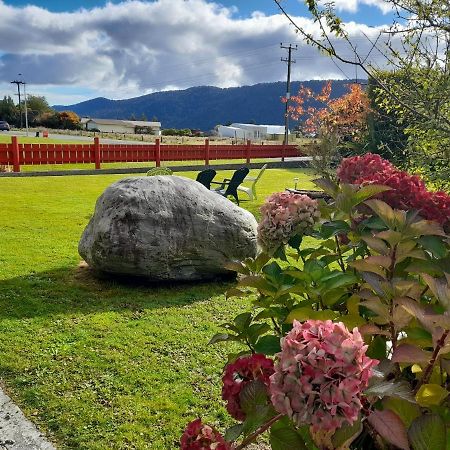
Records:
x=73, y=50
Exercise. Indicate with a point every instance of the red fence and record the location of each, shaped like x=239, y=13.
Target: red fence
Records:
x=16, y=154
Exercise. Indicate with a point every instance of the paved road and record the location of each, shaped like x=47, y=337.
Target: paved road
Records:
x=70, y=137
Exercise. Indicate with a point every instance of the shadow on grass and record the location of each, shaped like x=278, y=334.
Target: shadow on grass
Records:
x=81, y=291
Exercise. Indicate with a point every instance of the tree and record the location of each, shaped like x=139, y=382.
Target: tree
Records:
x=9, y=111
x=416, y=46
x=337, y=122
x=68, y=120
x=38, y=104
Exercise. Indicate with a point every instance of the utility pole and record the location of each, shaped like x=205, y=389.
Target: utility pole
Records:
x=26, y=107
x=18, y=83
x=290, y=61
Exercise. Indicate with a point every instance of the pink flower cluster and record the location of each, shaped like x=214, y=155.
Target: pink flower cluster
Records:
x=353, y=169
x=240, y=373
x=284, y=215
x=198, y=436
x=320, y=375
x=408, y=191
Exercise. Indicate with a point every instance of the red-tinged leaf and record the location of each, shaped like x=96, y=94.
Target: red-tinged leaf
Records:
x=440, y=288
x=369, y=329
x=390, y=427
x=382, y=210
x=376, y=244
x=407, y=353
x=426, y=228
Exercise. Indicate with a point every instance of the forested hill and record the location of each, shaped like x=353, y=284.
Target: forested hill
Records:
x=203, y=107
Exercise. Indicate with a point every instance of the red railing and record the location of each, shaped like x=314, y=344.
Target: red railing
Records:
x=16, y=154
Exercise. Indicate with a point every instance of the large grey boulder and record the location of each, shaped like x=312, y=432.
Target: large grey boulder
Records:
x=166, y=228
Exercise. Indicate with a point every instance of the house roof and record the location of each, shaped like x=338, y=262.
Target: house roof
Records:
x=126, y=123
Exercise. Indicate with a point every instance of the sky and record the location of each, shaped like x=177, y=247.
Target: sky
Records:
x=74, y=50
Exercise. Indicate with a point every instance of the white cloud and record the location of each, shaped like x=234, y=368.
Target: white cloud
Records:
x=136, y=47
x=352, y=6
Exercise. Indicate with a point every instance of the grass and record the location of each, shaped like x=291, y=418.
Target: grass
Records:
x=102, y=364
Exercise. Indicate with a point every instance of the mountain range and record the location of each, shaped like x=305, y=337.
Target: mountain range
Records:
x=203, y=107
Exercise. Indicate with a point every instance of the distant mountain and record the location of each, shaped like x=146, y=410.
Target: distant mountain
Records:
x=203, y=107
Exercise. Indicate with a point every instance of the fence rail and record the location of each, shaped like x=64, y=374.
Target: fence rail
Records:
x=16, y=154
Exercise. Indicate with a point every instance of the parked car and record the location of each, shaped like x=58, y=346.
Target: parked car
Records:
x=4, y=126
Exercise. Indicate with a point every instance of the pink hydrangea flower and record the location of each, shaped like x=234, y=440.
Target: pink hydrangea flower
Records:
x=198, y=436
x=240, y=373
x=320, y=375
x=284, y=215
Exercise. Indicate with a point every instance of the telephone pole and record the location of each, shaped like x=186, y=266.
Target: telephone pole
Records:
x=289, y=61
x=18, y=83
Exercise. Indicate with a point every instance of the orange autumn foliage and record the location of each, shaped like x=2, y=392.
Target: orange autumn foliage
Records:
x=345, y=116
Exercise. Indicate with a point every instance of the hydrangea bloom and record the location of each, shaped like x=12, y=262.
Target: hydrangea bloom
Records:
x=285, y=214
x=240, y=373
x=320, y=375
x=407, y=191
x=353, y=169
x=198, y=436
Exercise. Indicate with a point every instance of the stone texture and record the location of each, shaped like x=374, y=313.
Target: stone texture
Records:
x=17, y=432
x=166, y=228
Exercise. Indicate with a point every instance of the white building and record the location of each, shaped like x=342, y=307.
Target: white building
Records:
x=122, y=126
x=251, y=131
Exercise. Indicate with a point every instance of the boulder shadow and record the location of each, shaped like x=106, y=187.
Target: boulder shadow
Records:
x=80, y=290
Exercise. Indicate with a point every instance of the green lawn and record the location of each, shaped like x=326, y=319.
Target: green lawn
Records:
x=99, y=364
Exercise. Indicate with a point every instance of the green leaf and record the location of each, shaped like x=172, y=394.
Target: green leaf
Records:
x=434, y=245
x=232, y=433
x=377, y=348
x=257, y=417
x=338, y=280
x=242, y=321
x=346, y=434
x=327, y=186
x=365, y=192
x=390, y=427
x=383, y=211
x=302, y=314
x=400, y=389
x=296, y=241
x=222, y=337
x=285, y=437
x=428, y=432
x=256, y=330
x=333, y=228
x=273, y=271
x=406, y=410
x=253, y=394
x=431, y=395
x=268, y=345
x=237, y=267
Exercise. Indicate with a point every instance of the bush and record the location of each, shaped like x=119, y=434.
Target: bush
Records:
x=346, y=343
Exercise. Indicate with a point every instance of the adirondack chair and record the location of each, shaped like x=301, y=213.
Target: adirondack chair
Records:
x=229, y=185
x=159, y=171
x=251, y=191
x=205, y=177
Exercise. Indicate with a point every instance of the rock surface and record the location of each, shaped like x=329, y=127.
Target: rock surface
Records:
x=17, y=432
x=166, y=228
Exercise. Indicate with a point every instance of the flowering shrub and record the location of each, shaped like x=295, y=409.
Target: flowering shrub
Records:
x=353, y=170
x=284, y=215
x=198, y=436
x=387, y=281
x=407, y=191
x=320, y=375
x=238, y=374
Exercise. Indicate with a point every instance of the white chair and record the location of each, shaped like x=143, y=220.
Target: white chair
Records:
x=251, y=191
